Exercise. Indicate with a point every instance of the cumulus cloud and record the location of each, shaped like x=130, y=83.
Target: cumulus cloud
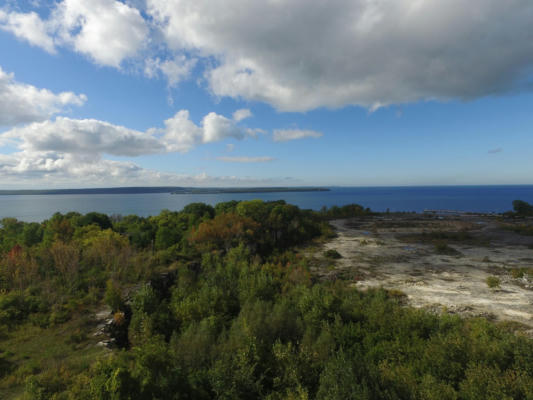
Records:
x=246, y=159
x=84, y=137
x=73, y=150
x=181, y=134
x=29, y=27
x=175, y=70
x=284, y=135
x=107, y=31
x=22, y=103
x=90, y=136
x=241, y=114
x=50, y=169
x=299, y=55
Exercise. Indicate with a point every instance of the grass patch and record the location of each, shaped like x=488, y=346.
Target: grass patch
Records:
x=518, y=273
x=521, y=229
x=397, y=294
x=53, y=355
x=460, y=237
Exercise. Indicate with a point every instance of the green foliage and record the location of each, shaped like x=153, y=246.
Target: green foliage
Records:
x=521, y=229
x=442, y=247
x=332, y=253
x=347, y=211
x=237, y=314
x=522, y=208
x=32, y=234
x=94, y=218
x=140, y=231
x=199, y=211
x=170, y=228
x=16, y=307
x=113, y=296
x=246, y=330
x=493, y=282
x=227, y=207
x=518, y=273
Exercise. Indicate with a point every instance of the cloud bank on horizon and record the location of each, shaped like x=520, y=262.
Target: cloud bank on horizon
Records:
x=71, y=148
x=294, y=55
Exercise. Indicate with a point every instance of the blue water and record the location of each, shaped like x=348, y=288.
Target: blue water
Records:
x=463, y=198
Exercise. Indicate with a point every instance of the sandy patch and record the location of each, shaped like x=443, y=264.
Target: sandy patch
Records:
x=375, y=253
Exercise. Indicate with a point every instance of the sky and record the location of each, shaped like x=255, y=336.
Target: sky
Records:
x=265, y=93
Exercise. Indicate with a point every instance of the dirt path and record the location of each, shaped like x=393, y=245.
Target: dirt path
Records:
x=375, y=253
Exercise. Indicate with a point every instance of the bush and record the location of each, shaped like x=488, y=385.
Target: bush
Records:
x=442, y=247
x=493, y=282
x=113, y=297
x=332, y=253
x=522, y=208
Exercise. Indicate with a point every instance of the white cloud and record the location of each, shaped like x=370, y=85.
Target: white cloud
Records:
x=93, y=138
x=181, y=134
x=22, y=103
x=299, y=55
x=49, y=169
x=217, y=127
x=29, y=27
x=107, y=31
x=175, y=70
x=72, y=152
x=245, y=159
x=241, y=114
x=87, y=137
x=284, y=135
x=90, y=136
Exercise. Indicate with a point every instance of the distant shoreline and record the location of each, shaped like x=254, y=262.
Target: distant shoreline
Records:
x=247, y=190
x=161, y=189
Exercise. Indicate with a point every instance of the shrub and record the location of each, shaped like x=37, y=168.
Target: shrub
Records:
x=442, y=247
x=332, y=253
x=493, y=282
x=113, y=297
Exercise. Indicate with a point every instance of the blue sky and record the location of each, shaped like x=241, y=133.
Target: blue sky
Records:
x=391, y=93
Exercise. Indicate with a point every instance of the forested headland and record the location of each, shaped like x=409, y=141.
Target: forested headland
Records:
x=219, y=302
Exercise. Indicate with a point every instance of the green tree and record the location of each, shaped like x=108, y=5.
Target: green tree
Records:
x=522, y=208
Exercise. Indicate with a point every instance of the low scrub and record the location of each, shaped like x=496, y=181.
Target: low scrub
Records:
x=493, y=282
x=332, y=253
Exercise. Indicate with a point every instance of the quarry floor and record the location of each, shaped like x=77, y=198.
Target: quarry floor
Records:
x=400, y=252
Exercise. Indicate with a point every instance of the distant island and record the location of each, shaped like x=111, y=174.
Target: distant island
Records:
x=161, y=189
x=248, y=190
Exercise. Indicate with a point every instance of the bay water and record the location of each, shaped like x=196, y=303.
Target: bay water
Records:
x=414, y=198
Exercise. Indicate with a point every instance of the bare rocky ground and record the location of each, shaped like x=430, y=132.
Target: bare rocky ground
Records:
x=440, y=263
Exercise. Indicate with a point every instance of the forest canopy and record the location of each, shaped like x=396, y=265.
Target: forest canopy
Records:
x=220, y=302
